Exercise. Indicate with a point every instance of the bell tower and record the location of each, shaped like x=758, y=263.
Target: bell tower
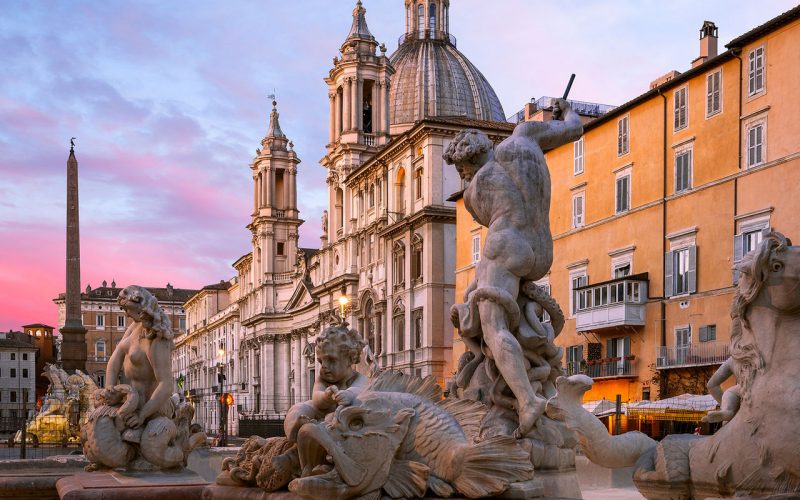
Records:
x=358, y=88
x=275, y=220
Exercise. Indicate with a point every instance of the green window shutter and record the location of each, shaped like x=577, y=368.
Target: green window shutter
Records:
x=627, y=342
x=610, y=348
x=738, y=253
x=703, y=334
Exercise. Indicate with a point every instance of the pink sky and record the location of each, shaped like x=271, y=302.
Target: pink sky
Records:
x=168, y=101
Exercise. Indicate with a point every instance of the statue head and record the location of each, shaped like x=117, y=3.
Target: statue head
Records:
x=338, y=349
x=142, y=307
x=770, y=273
x=469, y=151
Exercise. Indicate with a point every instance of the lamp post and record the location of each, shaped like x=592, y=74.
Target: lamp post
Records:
x=223, y=410
x=343, y=302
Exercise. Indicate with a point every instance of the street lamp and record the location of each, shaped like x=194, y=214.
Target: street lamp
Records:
x=223, y=409
x=343, y=302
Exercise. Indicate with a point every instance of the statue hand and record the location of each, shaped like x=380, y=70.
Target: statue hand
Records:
x=134, y=420
x=344, y=398
x=560, y=108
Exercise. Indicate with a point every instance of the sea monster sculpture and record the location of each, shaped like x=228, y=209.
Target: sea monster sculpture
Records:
x=138, y=423
x=754, y=455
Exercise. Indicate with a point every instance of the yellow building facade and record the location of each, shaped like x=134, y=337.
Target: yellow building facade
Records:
x=652, y=207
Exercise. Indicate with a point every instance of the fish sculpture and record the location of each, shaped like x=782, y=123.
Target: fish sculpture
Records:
x=401, y=439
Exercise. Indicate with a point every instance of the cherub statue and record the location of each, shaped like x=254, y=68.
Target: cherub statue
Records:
x=338, y=384
x=508, y=192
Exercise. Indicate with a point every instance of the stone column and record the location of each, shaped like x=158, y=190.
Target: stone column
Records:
x=386, y=111
x=338, y=111
x=292, y=204
x=304, y=382
x=268, y=376
x=298, y=370
x=332, y=128
x=256, y=198
x=347, y=95
x=377, y=105
x=356, y=106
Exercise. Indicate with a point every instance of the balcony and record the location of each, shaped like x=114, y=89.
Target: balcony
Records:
x=619, y=302
x=627, y=367
x=702, y=354
x=426, y=35
x=368, y=139
x=97, y=359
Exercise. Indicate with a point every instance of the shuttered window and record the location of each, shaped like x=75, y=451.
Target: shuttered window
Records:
x=683, y=171
x=476, y=248
x=755, y=144
x=623, y=193
x=623, y=136
x=680, y=105
x=708, y=333
x=714, y=93
x=578, y=210
x=745, y=243
x=755, y=74
x=578, y=160
x=680, y=271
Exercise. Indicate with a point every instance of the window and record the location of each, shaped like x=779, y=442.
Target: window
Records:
x=13, y=356
x=432, y=25
x=623, y=136
x=680, y=108
x=281, y=248
x=578, y=159
x=748, y=240
x=576, y=281
x=13, y=373
x=755, y=143
x=372, y=196
x=182, y=324
x=24, y=356
x=421, y=20
x=545, y=284
x=574, y=358
x=100, y=349
x=418, y=332
x=681, y=271
x=121, y=321
x=476, y=248
x=683, y=341
x=708, y=333
x=399, y=332
x=379, y=191
x=100, y=320
x=622, y=270
x=714, y=93
x=24, y=373
x=623, y=193
x=418, y=183
x=755, y=75
x=399, y=264
x=578, y=210
x=416, y=259
x=13, y=396
x=100, y=377
x=683, y=170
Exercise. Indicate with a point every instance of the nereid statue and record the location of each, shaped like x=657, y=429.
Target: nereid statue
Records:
x=137, y=422
x=756, y=452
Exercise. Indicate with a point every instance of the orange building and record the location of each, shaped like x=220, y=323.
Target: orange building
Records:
x=656, y=202
x=42, y=337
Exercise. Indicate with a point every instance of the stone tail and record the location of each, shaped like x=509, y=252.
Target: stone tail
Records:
x=490, y=466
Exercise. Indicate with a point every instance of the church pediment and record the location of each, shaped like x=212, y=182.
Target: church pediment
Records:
x=301, y=297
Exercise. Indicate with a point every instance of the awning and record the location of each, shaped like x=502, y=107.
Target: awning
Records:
x=603, y=407
x=686, y=407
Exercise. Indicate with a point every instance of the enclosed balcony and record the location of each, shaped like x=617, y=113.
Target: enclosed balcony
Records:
x=617, y=367
x=702, y=354
x=619, y=302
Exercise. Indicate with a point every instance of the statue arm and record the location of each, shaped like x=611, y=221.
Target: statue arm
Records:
x=552, y=134
x=159, y=355
x=115, y=363
x=722, y=374
x=319, y=397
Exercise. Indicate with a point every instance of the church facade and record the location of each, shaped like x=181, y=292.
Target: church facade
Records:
x=386, y=259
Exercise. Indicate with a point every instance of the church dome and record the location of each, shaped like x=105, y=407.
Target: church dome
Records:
x=432, y=78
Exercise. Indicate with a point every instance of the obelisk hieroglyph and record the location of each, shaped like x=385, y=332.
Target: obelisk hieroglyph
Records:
x=73, y=345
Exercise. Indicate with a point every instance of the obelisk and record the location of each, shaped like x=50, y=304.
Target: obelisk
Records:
x=73, y=343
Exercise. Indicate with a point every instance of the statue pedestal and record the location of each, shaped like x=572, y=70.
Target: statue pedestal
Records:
x=157, y=485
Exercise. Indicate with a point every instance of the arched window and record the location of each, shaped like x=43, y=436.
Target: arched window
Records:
x=416, y=259
x=418, y=183
x=339, y=209
x=421, y=20
x=399, y=330
x=399, y=264
x=369, y=323
x=432, y=18
x=400, y=186
x=372, y=195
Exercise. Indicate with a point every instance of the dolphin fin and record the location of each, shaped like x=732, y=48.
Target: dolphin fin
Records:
x=469, y=415
x=407, y=479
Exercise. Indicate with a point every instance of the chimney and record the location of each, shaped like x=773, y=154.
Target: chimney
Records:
x=708, y=43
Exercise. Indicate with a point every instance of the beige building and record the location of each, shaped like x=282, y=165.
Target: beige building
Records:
x=386, y=247
x=106, y=322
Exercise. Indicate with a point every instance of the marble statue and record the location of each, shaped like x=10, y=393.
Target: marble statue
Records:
x=512, y=363
x=397, y=438
x=137, y=422
x=325, y=222
x=66, y=396
x=754, y=454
